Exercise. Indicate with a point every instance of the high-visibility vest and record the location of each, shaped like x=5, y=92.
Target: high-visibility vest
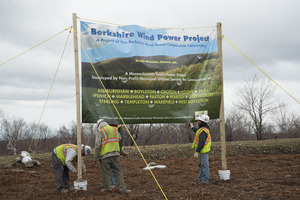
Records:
x=61, y=151
x=207, y=144
x=110, y=140
x=116, y=125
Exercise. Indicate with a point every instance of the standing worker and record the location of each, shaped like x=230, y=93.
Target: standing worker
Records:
x=107, y=151
x=62, y=158
x=120, y=130
x=201, y=144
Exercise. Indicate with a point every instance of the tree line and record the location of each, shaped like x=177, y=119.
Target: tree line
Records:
x=256, y=115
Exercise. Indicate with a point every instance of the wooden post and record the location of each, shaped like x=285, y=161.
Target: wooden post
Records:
x=222, y=115
x=75, y=34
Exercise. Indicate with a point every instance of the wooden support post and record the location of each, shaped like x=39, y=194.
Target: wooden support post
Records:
x=222, y=115
x=75, y=35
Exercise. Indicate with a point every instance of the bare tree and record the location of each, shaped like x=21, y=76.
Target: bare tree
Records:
x=134, y=130
x=188, y=132
x=64, y=134
x=237, y=126
x=214, y=126
x=89, y=131
x=1, y=114
x=178, y=133
x=73, y=132
x=39, y=136
x=287, y=123
x=13, y=131
x=152, y=130
x=1, y=118
x=294, y=126
x=257, y=101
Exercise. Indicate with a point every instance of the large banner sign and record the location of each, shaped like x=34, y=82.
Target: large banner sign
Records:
x=151, y=75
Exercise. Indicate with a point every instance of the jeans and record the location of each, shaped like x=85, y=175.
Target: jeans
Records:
x=112, y=178
x=203, y=176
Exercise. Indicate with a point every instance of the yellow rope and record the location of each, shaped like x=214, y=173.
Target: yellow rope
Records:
x=34, y=46
x=119, y=115
x=144, y=26
x=50, y=90
x=261, y=69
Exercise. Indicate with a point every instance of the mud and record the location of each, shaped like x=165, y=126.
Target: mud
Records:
x=252, y=176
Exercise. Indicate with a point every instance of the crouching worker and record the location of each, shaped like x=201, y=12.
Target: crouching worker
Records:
x=107, y=151
x=62, y=158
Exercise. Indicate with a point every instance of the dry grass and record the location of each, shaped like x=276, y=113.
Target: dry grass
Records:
x=165, y=151
x=254, y=147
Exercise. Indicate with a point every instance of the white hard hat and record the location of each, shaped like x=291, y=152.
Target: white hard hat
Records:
x=87, y=149
x=203, y=118
x=99, y=121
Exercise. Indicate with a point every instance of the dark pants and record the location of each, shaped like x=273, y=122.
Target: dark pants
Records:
x=61, y=173
x=113, y=164
x=122, y=138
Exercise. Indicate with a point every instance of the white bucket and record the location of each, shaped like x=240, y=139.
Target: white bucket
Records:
x=224, y=174
x=82, y=185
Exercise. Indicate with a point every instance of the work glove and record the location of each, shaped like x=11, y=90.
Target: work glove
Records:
x=196, y=154
x=191, y=125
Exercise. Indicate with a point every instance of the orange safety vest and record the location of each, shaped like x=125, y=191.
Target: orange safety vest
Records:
x=207, y=144
x=61, y=151
x=110, y=140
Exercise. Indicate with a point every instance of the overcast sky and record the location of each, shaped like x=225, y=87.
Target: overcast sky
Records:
x=267, y=31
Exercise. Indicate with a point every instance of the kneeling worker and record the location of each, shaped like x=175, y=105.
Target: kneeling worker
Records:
x=107, y=151
x=62, y=158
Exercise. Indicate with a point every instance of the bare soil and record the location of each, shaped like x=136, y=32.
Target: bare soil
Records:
x=253, y=176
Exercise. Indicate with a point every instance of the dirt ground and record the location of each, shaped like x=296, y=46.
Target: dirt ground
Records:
x=253, y=176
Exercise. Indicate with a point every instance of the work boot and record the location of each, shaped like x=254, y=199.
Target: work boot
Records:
x=63, y=191
x=125, y=192
x=196, y=183
x=70, y=189
x=105, y=190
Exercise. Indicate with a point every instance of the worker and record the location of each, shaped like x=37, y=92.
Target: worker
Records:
x=121, y=142
x=107, y=151
x=120, y=130
x=201, y=144
x=62, y=158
